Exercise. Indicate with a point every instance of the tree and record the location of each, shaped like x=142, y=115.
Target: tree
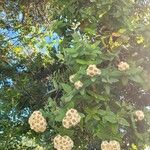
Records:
x=84, y=65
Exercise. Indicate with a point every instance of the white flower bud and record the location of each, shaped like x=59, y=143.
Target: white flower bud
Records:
x=139, y=115
x=122, y=66
x=71, y=78
x=78, y=84
x=92, y=70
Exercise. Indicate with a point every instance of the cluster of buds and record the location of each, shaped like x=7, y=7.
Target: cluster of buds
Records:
x=37, y=122
x=112, y=145
x=71, y=119
x=122, y=66
x=63, y=143
x=78, y=84
x=92, y=70
x=139, y=115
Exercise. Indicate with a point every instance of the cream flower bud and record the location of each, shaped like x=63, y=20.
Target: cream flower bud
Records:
x=63, y=143
x=139, y=115
x=78, y=84
x=122, y=66
x=112, y=145
x=71, y=119
x=92, y=70
x=71, y=78
x=115, y=145
x=66, y=123
x=37, y=122
x=105, y=145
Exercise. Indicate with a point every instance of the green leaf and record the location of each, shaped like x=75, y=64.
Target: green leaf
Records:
x=124, y=81
x=123, y=122
x=60, y=114
x=67, y=88
x=82, y=91
x=97, y=96
x=88, y=117
x=110, y=118
x=60, y=56
x=83, y=62
x=107, y=88
x=69, y=105
x=96, y=117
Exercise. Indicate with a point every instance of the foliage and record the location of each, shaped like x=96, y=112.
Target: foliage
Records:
x=35, y=71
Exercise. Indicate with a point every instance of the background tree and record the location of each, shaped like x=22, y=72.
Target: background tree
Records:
x=35, y=70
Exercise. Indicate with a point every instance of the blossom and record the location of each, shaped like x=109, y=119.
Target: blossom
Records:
x=63, y=142
x=122, y=66
x=37, y=122
x=147, y=148
x=92, y=70
x=139, y=115
x=78, y=84
x=112, y=145
x=71, y=78
x=71, y=119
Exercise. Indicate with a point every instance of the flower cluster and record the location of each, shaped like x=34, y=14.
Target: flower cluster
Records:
x=92, y=70
x=78, y=84
x=37, y=122
x=112, y=145
x=122, y=66
x=71, y=119
x=139, y=115
x=63, y=143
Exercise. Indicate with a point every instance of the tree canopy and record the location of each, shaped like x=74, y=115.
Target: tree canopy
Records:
x=82, y=67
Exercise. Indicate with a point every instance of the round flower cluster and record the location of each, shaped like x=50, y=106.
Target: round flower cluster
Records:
x=37, y=122
x=139, y=115
x=71, y=119
x=78, y=84
x=63, y=143
x=92, y=70
x=112, y=145
x=122, y=66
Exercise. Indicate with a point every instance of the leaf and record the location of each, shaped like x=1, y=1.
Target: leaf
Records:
x=60, y=56
x=88, y=117
x=67, y=88
x=102, y=112
x=124, y=81
x=112, y=80
x=83, y=62
x=123, y=122
x=67, y=98
x=82, y=91
x=60, y=115
x=122, y=30
x=69, y=105
x=110, y=118
x=107, y=88
x=97, y=96
x=96, y=117
x=90, y=31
